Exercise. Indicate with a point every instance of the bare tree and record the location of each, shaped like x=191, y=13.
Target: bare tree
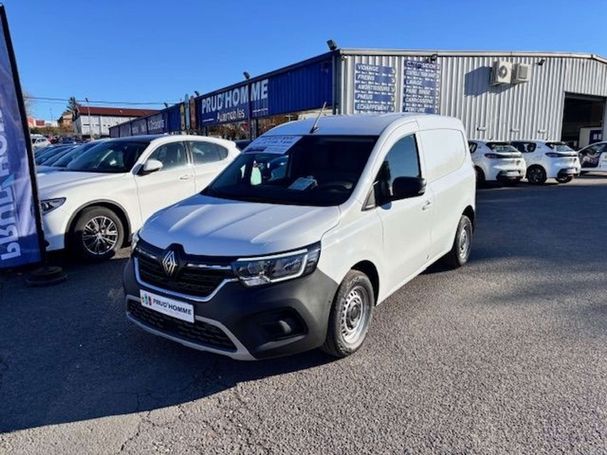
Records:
x=29, y=104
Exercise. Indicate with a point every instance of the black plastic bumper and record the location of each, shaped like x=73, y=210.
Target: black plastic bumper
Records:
x=503, y=176
x=269, y=321
x=569, y=172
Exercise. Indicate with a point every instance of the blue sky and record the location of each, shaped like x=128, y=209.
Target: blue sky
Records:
x=155, y=51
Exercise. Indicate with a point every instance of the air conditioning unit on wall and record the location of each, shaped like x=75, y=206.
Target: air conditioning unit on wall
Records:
x=521, y=73
x=501, y=73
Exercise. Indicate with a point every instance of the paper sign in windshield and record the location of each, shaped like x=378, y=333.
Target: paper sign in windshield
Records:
x=272, y=144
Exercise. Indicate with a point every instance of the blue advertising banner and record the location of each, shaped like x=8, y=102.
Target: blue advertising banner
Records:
x=296, y=88
x=157, y=123
x=232, y=105
x=421, y=86
x=20, y=224
x=374, y=88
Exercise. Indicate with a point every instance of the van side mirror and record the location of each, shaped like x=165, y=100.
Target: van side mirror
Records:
x=406, y=187
x=151, y=166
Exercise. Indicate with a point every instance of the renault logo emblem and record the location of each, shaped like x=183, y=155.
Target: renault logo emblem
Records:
x=169, y=263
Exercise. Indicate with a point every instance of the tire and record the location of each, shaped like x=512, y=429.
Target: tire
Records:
x=97, y=234
x=565, y=179
x=462, y=244
x=350, y=316
x=536, y=175
x=480, y=177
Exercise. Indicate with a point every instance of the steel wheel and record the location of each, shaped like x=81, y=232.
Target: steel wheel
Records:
x=351, y=314
x=464, y=243
x=100, y=235
x=355, y=314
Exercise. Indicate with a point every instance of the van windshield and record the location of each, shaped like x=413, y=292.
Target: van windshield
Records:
x=300, y=170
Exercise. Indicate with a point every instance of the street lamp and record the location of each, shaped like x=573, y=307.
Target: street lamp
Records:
x=88, y=106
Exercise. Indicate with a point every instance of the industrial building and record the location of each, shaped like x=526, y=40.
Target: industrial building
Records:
x=497, y=95
x=96, y=121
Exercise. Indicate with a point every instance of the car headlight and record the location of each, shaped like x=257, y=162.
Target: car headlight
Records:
x=278, y=267
x=134, y=240
x=48, y=205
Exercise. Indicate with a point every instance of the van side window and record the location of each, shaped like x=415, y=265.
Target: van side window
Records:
x=401, y=161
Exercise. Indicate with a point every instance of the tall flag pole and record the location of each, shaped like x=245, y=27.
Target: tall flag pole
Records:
x=21, y=234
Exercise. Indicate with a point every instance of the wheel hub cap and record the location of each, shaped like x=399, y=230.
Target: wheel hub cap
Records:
x=464, y=243
x=355, y=314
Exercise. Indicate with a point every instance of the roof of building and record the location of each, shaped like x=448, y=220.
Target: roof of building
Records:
x=115, y=111
x=448, y=53
x=359, y=124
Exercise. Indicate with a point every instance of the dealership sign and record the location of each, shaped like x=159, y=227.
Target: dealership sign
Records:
x=235, y=104
x=20, y=225
x=421, y=86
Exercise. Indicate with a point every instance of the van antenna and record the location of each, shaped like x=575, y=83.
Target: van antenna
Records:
x=315, y=126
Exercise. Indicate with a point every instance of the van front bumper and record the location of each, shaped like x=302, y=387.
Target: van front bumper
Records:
x=243, y=323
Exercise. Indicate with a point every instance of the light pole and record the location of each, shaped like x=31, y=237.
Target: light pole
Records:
x=88, y=106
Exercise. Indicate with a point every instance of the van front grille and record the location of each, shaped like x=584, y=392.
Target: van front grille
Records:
x=199, y=332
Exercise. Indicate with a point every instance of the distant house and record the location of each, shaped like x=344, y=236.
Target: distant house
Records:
x=39, y=123
x=96, y=121
x=65, y=121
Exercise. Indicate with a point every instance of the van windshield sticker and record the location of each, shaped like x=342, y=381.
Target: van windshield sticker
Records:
x=272, y=144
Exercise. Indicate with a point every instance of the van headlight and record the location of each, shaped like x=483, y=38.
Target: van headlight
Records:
x=278, y=267
x=48, y=205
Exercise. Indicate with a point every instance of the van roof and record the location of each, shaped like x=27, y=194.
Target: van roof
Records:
x=361, y=124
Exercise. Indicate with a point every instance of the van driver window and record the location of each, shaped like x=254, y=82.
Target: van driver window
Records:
x=401, y=161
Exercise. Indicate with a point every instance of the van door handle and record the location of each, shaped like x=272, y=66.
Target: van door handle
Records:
x=427, y=204
x=186, y=177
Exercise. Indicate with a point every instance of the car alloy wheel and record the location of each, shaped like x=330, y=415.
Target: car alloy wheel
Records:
x=536, y=175
x=100, y=235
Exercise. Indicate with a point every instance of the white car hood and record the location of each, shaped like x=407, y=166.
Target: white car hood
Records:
x=218, y=227
x=55, y=183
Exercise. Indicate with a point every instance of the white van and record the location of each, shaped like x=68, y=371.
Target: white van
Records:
x=496, y=162
x=549, y=160
x=291, y=247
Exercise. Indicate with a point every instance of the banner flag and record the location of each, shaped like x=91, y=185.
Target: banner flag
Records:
x=21, y=239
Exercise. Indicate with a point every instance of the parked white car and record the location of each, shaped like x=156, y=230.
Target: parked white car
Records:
x=549, y=160
x=274, y=258
x=496, y=161
x=593, y=157
x=39, y=141
x=106, y=193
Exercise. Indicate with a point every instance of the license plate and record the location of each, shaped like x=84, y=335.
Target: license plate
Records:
x=514, y=173
x=170, y=307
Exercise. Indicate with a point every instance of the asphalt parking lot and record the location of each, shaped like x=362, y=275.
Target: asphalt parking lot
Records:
x=507, y=355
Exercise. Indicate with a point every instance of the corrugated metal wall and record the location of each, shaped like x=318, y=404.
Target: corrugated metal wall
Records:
x=531, y=110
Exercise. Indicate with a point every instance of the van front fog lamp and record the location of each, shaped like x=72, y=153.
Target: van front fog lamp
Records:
x=275, y=268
